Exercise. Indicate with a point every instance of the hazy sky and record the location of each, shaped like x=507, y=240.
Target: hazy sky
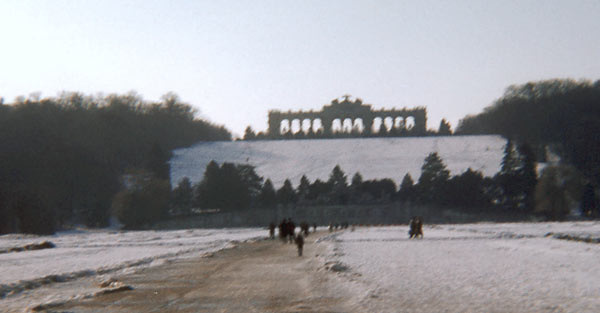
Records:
x=235, y=60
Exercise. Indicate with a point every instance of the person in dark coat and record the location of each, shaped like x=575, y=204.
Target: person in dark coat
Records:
x=304, y=228
x=283, y=230
x=416, y=227
x=272, y=230
x=291, y=229
x=299, y=243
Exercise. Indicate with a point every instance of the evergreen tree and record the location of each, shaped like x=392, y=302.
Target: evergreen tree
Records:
x=356, y=188
x=507, y=179
x=510, y=161
x=182, y=197
x=433, y=180
x=286, y=194
x=338, y=178
x=268, y=196
x=224, y=188
x=468, y=190
x=444, y=129
x=339, y=185
x=319, y=191
x=303, y=188
x=527, y=177
x=250, y=179
x=249, y=134
x=380, y=191
x=207, y=190
x=407, y=189
x=357, y=181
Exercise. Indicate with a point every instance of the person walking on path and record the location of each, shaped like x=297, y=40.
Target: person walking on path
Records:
x=299, y=243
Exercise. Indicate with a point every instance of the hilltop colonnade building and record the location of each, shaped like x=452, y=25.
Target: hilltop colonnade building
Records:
x=349, y=118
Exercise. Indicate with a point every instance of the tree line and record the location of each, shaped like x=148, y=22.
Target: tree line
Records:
x=561, y=116
x=64, y=159
x=512, y=191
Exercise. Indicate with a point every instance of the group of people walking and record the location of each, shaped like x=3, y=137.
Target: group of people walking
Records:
x=287, y=230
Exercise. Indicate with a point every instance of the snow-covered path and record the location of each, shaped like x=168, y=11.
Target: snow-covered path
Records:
x=473, y=268
x=33, y=276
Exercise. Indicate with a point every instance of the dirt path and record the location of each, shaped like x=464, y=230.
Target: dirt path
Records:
x=263, y=276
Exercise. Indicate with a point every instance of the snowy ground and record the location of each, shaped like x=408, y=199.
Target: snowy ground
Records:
x=516, y=267
x=374, y=158
x=96, y=254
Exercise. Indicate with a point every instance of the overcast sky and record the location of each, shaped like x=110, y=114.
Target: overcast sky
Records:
x=235, y=60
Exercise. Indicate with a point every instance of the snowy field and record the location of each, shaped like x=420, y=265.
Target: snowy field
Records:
x=518, y=267
x=95, y=254
x=513, y=267
x=374, y=158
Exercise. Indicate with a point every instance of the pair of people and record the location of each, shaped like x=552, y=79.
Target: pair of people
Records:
x=416, y=227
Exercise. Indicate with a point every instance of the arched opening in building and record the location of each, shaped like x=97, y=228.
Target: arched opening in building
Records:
x=347, y=125
x=336, y=126
x=358, y=126
x=389, y=123
x=284, y=127
x=295, y=126
x=377, y=125
x=410, y=122
x=306, y=125
x=317, y=126
x=399, y=122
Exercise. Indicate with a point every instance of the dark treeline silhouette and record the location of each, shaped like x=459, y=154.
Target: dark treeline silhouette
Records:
x=561, y=114
x=63, y=160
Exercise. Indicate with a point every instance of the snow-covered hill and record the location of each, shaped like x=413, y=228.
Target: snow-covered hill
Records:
x=372, y=157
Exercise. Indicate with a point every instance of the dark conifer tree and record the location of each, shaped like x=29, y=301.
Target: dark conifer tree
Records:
x=319, y=191
x=527, y=177
x=507, y=179
x=286, y=194
x=182, y=197
x=249, y=134
x=444, y=129
x=339, y=185
x=433, y=180
x=356, y=188
x=407, y=189
x=357, y=181
x=303, y=188
x=268, y=196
